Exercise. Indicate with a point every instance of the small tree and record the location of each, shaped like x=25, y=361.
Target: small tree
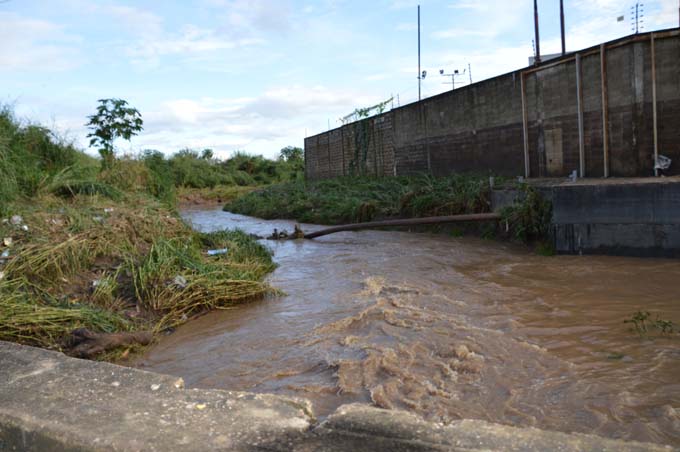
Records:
x=114, y=119
x=291, y=154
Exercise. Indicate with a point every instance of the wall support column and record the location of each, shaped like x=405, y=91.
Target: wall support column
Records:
x=579, y=103
x=605, y=109
x=525, y=125
x=656, y=137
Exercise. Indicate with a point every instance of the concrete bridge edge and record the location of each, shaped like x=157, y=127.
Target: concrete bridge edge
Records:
x=49, y=401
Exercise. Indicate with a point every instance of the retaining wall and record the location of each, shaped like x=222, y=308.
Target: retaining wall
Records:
x=481, y=127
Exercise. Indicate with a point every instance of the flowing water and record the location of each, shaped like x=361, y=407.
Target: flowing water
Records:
x=448, y=328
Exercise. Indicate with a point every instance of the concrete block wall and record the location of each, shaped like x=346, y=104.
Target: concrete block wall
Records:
x=479, y=128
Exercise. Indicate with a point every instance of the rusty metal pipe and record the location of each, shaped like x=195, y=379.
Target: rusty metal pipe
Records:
x=406, y=222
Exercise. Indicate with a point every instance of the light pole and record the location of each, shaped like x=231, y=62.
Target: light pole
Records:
x=453, y=77
x=537, y=59
x=564, y=47
x=420, y=75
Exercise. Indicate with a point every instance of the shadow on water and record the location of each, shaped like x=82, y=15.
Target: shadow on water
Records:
x=448, y=328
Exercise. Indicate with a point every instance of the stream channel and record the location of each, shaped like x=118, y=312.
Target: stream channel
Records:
x=448, y=328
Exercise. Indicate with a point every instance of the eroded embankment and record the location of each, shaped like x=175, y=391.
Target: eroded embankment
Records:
x=447, y=328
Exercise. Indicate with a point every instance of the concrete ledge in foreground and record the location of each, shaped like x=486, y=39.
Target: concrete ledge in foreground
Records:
x=49, y=401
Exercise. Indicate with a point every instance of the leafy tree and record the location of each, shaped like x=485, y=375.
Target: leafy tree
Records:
x=207, y=154
x=291, y=154
x=114, y=119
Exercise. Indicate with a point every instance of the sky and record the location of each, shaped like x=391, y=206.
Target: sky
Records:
x=259, y=75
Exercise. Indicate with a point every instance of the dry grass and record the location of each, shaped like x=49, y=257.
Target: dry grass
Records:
x=108, y=266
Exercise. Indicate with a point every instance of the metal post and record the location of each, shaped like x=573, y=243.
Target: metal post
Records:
x=564, y=48
x=605, y=109
x=470, y=72
x=537, y=59
x=656, y=138
x=525, y=125
x=419, y=77
x=579, y=103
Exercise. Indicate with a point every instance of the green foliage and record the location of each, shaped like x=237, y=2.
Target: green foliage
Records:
x=642, y=323
x=114, y=119
x=292, y=154
x=358, y=199
x=529, y=218
x=31, y=156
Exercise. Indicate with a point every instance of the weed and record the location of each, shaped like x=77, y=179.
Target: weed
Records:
x=529, y=218
x=357, y=199
x=642, y=323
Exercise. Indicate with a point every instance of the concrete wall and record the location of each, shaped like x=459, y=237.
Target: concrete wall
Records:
x=480, y=128
x=49, y=402
x=631, y=219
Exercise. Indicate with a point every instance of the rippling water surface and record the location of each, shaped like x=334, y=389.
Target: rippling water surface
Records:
x=448, y=328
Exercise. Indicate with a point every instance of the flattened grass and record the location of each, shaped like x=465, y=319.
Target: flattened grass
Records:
x=90, y=262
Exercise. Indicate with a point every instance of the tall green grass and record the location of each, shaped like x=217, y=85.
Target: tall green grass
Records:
x=358, y=199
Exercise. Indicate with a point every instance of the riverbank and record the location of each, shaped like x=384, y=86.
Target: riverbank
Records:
x=117, y=269
x=95, y=261
x=361, y=199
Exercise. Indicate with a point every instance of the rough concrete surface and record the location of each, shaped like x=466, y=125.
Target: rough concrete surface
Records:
x=49, y=401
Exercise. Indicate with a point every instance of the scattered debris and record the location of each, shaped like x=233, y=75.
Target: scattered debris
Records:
x=573, y=176
x=218, y=252
x=24, y=228
x=4, y=255
x=16, y=220
x=98, y=219
x=7, y=241
x=179, y=281
x=662, y=163
x=96, y=283
x=155, y=387
x=86, y=344
x=108, y=210
x=2, y=275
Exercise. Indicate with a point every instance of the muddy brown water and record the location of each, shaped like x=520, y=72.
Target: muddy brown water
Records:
x=448, y=328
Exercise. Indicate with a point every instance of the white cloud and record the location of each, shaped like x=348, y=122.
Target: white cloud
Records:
x=33, y=44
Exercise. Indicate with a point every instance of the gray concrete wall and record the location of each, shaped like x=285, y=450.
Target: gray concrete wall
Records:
x=479, y=128
x=49, y=402
x=633, y=219
x=627, y=217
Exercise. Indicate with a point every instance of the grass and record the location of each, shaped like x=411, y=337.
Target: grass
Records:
x=359, y=199
x=117, y=270
x=105, y=249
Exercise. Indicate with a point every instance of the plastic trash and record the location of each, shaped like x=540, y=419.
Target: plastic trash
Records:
x=16, y=220
x=573, y=176
x=180, y=281
x=24, y=227
x=7, y=241
x=217, y=252
x=108, y=210
x=4, y=255
x=98, y=219
x=662, y=162
x=2, y=275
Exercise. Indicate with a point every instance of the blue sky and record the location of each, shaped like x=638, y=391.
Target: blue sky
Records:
x=258, y=75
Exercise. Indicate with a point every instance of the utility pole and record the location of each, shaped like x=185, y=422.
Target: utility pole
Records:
x=537, y=59
x=564, y=47
x=419, y=78
x=470, y=72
